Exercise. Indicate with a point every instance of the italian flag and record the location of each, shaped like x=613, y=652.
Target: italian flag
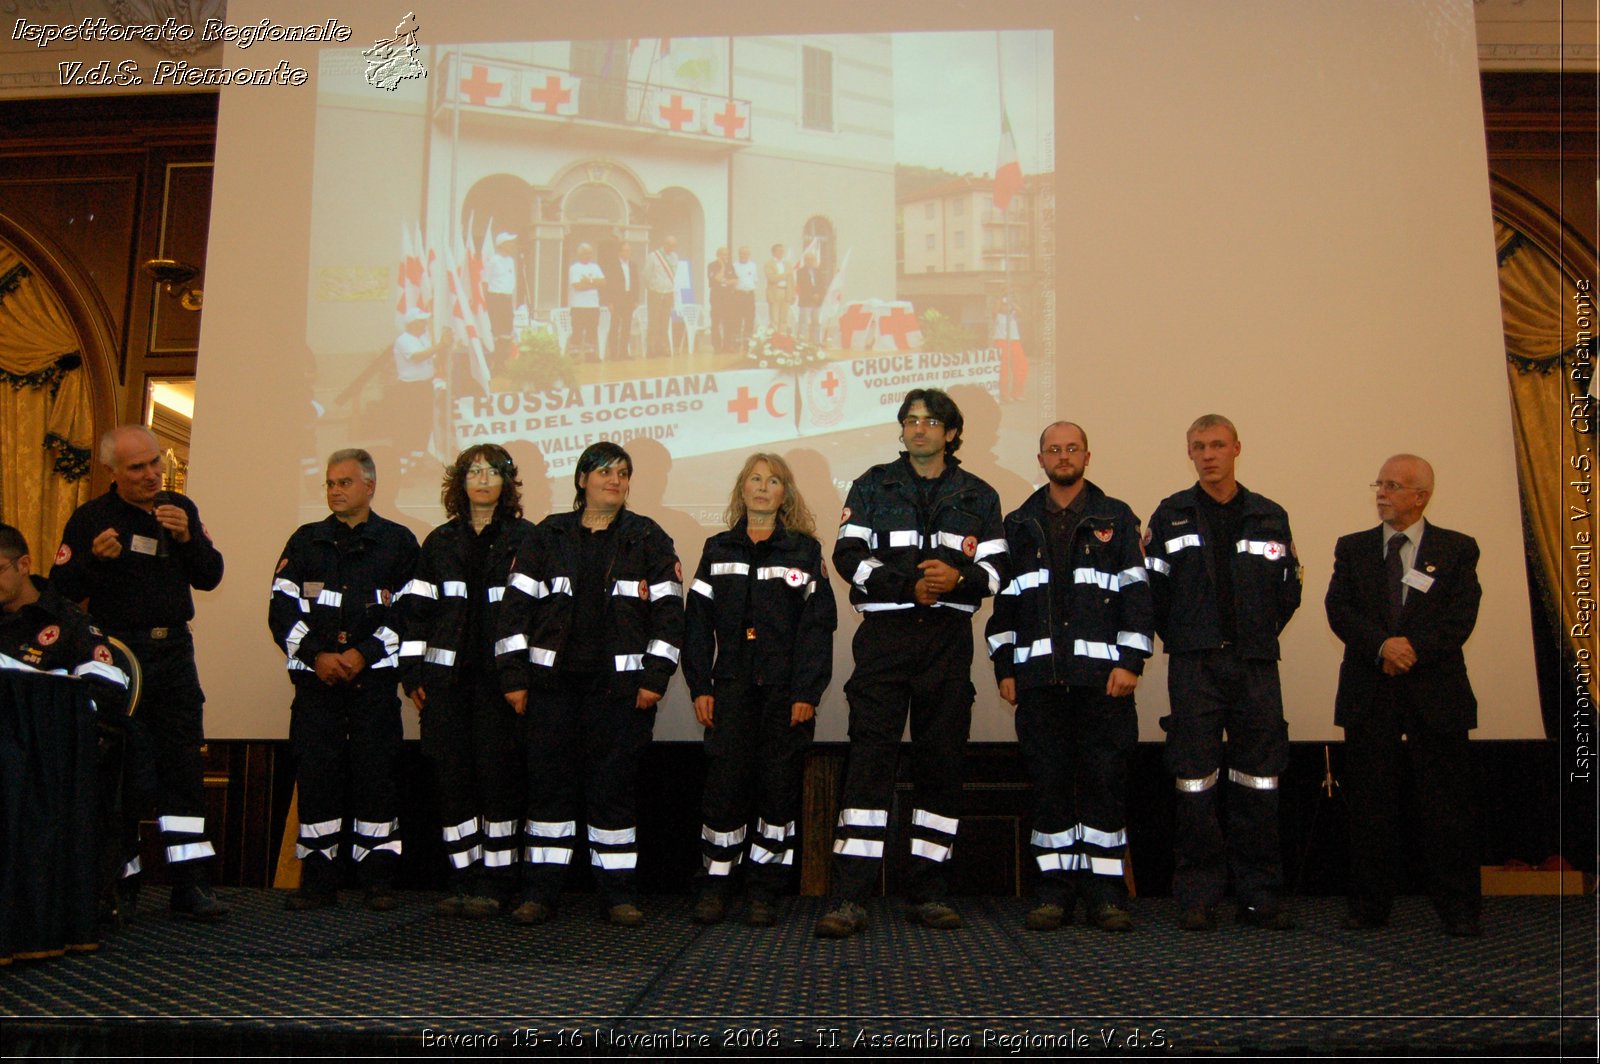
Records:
x=1007, y=171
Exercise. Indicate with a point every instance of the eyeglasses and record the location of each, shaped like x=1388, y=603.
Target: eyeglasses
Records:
x=1391, y=486
x=483, y=472
x=931, y=422
x=6, y=567
x=1055, y=449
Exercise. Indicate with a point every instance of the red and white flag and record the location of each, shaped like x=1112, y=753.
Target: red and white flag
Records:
x=1007, y=171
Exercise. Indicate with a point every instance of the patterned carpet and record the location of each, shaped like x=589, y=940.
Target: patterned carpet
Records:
x=356, y=982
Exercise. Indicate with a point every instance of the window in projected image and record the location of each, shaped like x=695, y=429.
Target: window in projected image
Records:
x=718, y=244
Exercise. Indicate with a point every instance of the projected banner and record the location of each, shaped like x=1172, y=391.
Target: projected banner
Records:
x=705, y=413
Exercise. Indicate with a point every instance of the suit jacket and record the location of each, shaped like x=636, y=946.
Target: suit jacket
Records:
x=780, y=282
x=622, y=293
x=1436, y=621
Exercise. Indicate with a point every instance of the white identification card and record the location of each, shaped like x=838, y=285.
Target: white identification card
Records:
x=142, y=545
x=1417, y=579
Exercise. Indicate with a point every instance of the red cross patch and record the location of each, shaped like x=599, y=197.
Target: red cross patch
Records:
x=677, y=571
x=1103, y=535
x=794, y=578
x=969, y=546
x=48, y=635
x=644, y=590
x=102, y=655
x=1273, y=551
x=844, y=518
x=63, y=554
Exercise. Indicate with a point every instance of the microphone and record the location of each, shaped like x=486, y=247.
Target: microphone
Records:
x=163, y=542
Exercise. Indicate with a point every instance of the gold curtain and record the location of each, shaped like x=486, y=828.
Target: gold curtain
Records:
x=46, y=423
x=1538, y=308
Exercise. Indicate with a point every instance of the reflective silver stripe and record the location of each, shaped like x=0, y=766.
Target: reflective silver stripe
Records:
x=759, y=854
x=286, y=587
x=776, y=832
x=903, y=538
x=722, y=838
x=102, y=670
x=330, y=851
x=392, y=846
x=612, y=836
x=1099, y=651
x=863, y=818
x=730, y=568
x=1264, y=547
x=1136, y=641
x=946, y=539
x=419, y=588
x=994, y=577
x=1133, y=575
x=321, y=828
x=863, y=572
x=1178, y=543
x=181, y=825
x=390, y=640
x=662, y=649
x=924, y=819
x=610, y=861
x=1258, y=783
x=526, y=585
x=1105, y=866
x=499, y=829
x=498, y=858
x=551, y=829
x=721, y=868
x=629, y=662
x=1028, y=581
x=666, y=589
x=132, y=868
x=931, y=850
x=377, y=596
x=415, y=648
x=1196, y=786
x=291, y=642
x=1104, y=839
x=189, y=851
x=454, y=588
x=858, y=847
x=377, y=829
x=948, y=605
x=329, y=598
x=440, y=656
x=781, y=572
x=547, y=855
x=626, y=588
x=1061, y=862
x=1001, y=639
x=1038, y=648
x=856, y=532
x=1157, y=565
x=510, y=644
x=541, y=656
x=1055, y=840
x=560, y=585
x=703, y=588
x=989, y=546
x=875, y=607
x=1090, y=575
x=457, y=832
x=496, y=594
x=295, y=663
x=465, y=858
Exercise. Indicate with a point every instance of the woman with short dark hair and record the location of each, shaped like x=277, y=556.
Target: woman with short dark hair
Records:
x=447, y=668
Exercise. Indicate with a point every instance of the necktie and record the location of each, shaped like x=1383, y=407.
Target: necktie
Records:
x=1394, y=573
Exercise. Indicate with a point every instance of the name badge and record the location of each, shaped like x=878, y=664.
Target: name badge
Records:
x=1419, y=580
x=142, y=545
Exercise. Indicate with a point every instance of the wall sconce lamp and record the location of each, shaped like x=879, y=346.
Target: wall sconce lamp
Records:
x=171, y=272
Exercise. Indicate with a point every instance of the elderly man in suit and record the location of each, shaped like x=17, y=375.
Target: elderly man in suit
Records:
x=1404, y=598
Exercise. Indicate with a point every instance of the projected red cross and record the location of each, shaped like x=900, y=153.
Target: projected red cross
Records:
x=479, y=88
x=742, y=404
x=675, y=114
x=851, y=322
x=899, y=324
x=552, y=96
x=830, y=384
x=730, y=120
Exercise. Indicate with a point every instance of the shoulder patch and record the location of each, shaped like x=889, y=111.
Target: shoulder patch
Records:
x=47, y=635
x=677, y=571
x=794, y=578
x=844, y=518
x=644, y=590
x=63, y=554
x=102, y=654
x=1104, y=534
x=283, y=563
x=1144, y=540
x=969, y=546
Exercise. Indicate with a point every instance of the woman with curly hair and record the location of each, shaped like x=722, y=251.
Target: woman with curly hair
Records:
x=447, y=668
x=758, y=653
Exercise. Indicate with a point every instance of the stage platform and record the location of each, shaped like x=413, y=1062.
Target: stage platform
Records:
x=353, y=982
